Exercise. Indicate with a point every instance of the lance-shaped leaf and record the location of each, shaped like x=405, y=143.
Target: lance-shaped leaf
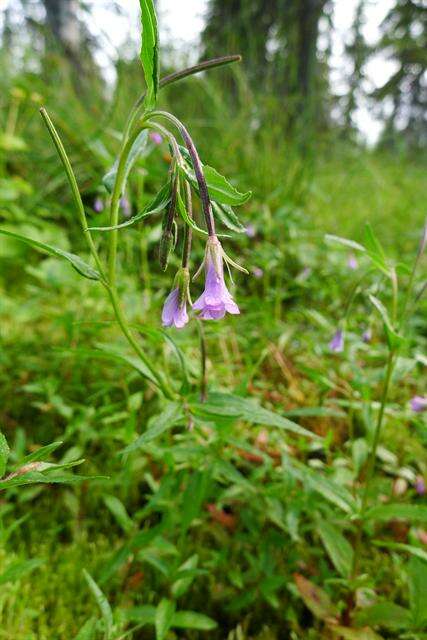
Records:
x=4, y=454
x=77, y=263
x=157, y=205
x=393, y=338
x=225, y=214
x=220, y=189
x=150, y=51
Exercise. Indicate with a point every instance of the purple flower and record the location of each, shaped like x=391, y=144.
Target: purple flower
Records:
x=257, y=272
x=174, y=313
x=419, y=404
x=155, y=137
x=98, y=205
x=175, y=307
x=250, y=231
x=420, y=486
x=125, y=207
x=216, y=299
x=367, y=335
x=337, y=343
x=352, y=262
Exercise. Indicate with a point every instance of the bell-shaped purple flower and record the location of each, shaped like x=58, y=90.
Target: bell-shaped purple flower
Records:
x=155, y=137
x=175, y=307
x=337, y=343
x=216, y=300
x=420, y=486
x=352, y=262
x=419, y=404
x=98, y=205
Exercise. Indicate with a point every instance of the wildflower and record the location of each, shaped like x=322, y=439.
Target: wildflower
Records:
x=175, y=307
x=352, y=262
x=250, y=231
x=98, y=205
x=257, y=272
x=155, y=137
x=419, y=404
x=367, y=335
x=216, y=300
x=337, y=343
x=420, y=486
x=125, y=207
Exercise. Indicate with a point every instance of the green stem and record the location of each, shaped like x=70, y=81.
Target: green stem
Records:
x=74, y=188
x=174, y=77
x=123, y=323
x=115, y=203
x=373, y=454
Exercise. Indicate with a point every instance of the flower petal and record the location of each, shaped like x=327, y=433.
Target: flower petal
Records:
x=170, y=308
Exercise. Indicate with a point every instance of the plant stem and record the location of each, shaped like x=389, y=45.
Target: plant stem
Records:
x=115, y=203
x=373, y=454
x=123, y=323
x=74, y=188
x=372, y=459
x=203, y=368
x=198, y=168
x=174, y=77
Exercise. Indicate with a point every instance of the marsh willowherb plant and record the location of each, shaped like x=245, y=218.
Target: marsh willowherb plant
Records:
x=187, y=175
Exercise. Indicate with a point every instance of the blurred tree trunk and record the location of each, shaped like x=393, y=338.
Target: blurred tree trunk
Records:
x=358, y=52
x=73, y=39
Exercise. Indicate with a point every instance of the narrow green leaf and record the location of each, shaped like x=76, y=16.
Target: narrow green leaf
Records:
x=18, y=570
x=193, y=620
x=193, y=497
x=77, y=263
x=393, y=338
x=182, y=584
x=88, y=630
x=164, y=616
x=332, y=492
x=158, y=425
x=4, y=454
x=338, y=548
x=150, y=51
x=118, y=510
x=225, y=214
x=219, y=188
x=385, y=614
x=417, y=572
x=385, y=512
x=344, y=241
x=416, y=552
x=375, y=250
x=227, y=405
x=157, y=205
x=41, y=453
x=182, y=210
x=102, y=603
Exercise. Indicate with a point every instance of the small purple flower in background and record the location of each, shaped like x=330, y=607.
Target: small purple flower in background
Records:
x=420, y=486
x=367, y=335
x=257, y=272
x=98, y=205
x=216, y=299
x=419, y=404
x=155, y=137
x=352, y=262
x=175, y=307
x=125, y=207
x=337, y=343
x=250, y=231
